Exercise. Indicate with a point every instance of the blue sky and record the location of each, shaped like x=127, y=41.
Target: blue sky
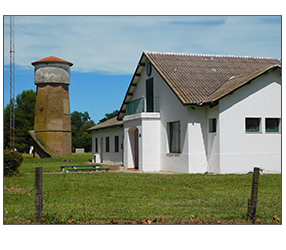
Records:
x=106, y=49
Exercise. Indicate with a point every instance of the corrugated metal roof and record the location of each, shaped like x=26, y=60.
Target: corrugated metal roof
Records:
x=51, y=59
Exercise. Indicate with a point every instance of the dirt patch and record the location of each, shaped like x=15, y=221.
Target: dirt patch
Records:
x=190, y=221
x=16, y=190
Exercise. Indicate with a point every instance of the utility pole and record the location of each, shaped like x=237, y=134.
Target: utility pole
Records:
x=12, y=84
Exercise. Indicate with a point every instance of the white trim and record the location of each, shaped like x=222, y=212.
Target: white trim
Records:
x=144, y=115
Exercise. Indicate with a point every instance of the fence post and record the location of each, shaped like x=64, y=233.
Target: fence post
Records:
x=38, y=193
x=254, y=192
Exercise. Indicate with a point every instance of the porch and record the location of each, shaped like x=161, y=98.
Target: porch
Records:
x=142, y=141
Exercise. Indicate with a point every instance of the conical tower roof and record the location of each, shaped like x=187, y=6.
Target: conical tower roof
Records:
x=51, y=59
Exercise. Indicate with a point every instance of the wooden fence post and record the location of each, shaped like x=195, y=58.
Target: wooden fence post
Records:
x=38, y=192
x=251, y=211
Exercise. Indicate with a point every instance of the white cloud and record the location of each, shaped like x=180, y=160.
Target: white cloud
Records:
x=113, y=44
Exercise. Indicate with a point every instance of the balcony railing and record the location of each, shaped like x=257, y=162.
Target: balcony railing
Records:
x=139, y=106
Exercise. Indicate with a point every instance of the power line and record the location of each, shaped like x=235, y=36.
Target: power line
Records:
x=73, y=76
x=85, y=97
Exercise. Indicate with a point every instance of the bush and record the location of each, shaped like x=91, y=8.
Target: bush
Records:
x=12, y=161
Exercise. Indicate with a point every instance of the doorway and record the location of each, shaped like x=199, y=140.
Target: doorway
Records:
x=133, y=137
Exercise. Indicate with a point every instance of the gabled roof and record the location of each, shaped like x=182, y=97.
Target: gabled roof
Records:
x=111, y=123
x=236, y=82
x=201, y=79
x=51, y=59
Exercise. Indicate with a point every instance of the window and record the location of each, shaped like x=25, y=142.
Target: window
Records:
x=116, y=143
x=107, y=144
x=252, y=124
x=212, y=125
x=174, y=137
x=150, y=95
x=272, y=124
x=96, y=145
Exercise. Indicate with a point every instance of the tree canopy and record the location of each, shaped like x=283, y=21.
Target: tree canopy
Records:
x=80, y=123
x=24, y=120
x=109, y=116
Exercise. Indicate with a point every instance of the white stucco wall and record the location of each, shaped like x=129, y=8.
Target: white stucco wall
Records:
x=241, y=151
x=110, y=157
x=171, y=110
x=213, y=148
x=148, y=125
x=151, y=142
x=197, y=140
x=131, y=123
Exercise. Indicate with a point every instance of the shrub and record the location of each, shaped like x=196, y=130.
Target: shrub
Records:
x=12, y=161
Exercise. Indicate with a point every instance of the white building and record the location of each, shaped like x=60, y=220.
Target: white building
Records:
x=197, y=113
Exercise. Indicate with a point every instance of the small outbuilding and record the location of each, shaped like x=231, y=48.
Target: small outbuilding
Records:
x=107, y=142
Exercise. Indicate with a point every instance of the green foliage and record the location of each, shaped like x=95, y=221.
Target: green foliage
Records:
x=109, y=116
x=24, y=120
x=83, y=141
x=12, y=161
x=80, y=123
x=78, y=118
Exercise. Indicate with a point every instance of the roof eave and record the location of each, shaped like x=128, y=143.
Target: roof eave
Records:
x=122, y=110
x=103, y=128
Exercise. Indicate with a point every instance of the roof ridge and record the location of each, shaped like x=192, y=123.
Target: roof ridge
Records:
x=207, y=55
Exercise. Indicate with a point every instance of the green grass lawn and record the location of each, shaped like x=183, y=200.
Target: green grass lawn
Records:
x=101, y=197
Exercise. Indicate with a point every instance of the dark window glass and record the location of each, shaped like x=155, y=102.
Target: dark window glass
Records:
x=272, y=124
x=106, y=144
x=252, y=124
x=149, y=95
x=212, y=125
x=116, y=143
x=175, y=137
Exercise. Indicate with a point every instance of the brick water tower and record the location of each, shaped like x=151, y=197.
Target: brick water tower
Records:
x=52, y=123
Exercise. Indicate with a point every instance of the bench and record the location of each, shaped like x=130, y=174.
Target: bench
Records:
x=83, y=168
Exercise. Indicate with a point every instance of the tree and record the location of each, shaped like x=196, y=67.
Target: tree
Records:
x=78, y=118
x=80, y=123
x=109, y=116
x=7, y=125
x=24, y=120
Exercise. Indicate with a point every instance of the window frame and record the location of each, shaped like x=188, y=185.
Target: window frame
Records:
x=116, y=143
x=248, y=130
x=278, y=128
x=96, y=145
x=174, y=137
x=212, y=125
x=107, y=144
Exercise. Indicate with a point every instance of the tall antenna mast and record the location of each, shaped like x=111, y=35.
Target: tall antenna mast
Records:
x=12, y=84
